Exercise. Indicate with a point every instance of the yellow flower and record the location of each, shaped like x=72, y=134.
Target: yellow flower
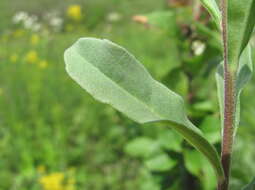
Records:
x=53, y=181
x=74, y=12
x=31, y=56
x=14, y=58
x=34, y=39
x=43, y=64
x=57, y=181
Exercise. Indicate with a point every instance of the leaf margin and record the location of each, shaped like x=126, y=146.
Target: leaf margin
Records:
x=192, y=134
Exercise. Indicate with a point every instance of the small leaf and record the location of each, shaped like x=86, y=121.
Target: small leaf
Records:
x=198, y=166
x=142, y=147
x=243, y=76
x=193, y=162
x=148, y=181
x=160, y=163
x=250, y=186
x=176, y=140
x=213, y=9
x=114, y=76
x=220, y=90
x=211, y=128
x=181, y=81
x=203, y=106
x=150, y=185
x=240, y=25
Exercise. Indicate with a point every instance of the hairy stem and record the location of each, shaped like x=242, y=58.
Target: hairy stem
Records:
x=227, y=141
x=229, y=105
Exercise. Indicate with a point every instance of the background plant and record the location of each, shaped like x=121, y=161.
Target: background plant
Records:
x=36, y=103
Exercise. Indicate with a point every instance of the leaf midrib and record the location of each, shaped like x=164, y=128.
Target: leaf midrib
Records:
x=123, y=89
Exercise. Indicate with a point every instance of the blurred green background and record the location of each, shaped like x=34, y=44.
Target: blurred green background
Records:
x=55, y=136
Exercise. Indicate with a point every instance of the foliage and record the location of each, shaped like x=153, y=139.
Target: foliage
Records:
x=46, y=121
x=250, y=186
x=113, y=76
x=240, y=27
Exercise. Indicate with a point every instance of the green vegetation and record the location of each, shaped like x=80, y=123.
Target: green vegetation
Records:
x=54, y=134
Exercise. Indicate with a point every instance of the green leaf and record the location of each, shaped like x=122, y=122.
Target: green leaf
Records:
x=211, y=128
x=213, y=9
x=220, y=90
x=176, y=140
x=142, y=147
x=160, y=163
x=181, y=81
x=243, y=76
x=193, y=162
x=148, y=181
x=203, y=106
x=199, y=166
x=150, y=185
x=240, y=25
x=113, y=76
x=250, y=186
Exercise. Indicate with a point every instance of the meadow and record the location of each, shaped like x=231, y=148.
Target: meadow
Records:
x=55, y=136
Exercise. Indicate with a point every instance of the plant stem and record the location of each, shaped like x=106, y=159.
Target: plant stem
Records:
x=227, y=141
x=229, y=105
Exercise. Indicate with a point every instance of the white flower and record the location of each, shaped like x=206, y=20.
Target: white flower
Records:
x=19, y=17
x=30, y=21
x=198, y=47
x=56, y=22
x=114, y=17
x=53, y=19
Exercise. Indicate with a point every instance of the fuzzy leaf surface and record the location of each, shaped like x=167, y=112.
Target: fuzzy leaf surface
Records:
x=113, y=76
